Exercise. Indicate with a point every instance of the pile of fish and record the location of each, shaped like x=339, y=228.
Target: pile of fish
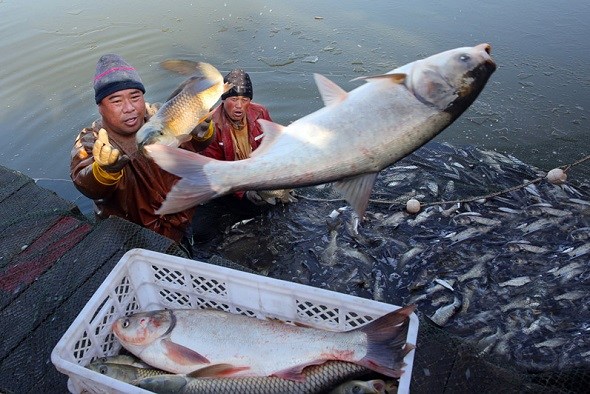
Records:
x=203, y=350
x=332, y=377
x=509, y=274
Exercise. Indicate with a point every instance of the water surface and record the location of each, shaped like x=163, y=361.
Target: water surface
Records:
x=535, y=107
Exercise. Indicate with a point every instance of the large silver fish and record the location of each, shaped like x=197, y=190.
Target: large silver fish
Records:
x=226, y=344
x=357, y=133
x=186, y=107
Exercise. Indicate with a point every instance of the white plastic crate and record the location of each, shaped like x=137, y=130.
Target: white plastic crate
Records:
x=144, y=280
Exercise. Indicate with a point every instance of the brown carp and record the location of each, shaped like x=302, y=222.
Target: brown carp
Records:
x=318, y=379
x=351, y=139
x=187, y=107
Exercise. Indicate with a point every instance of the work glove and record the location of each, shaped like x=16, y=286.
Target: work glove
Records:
x=254, y=197
x=108, y=158
x=203, y=130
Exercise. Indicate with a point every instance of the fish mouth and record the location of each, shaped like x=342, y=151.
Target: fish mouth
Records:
x=488, y=63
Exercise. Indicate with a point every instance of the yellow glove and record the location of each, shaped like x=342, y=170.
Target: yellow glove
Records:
x=108, y=162
x=204, y=130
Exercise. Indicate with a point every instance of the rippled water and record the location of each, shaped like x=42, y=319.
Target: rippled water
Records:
x=535, y=106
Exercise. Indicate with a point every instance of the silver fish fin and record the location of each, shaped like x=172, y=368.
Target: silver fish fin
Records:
x=194, y=188
x=395, y=78
x=386, y=342
x=296, y=373
x=203, y=77
x=330, y=92
x=180, y=66
x=271, y=131
x=182, y=355
x=216, y=370
x=357, y=191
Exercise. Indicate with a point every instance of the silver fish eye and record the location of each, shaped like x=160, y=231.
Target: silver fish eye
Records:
x=464, y=57
x=126, y=323
x=103, y=369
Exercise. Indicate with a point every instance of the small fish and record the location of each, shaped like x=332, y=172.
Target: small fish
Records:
x=122, y=359
x=318, y=379
x=568, y=271
x=414, y=103
x=468, y=233
x=524, y=246
x=127, y=373
x=521, y=280
x=572, y=295
x=188, y=340
x=579, y=251
x=444, y=284
x=187, y=107
x=521, y=303
x=477, y=271
x=443, y=314
x=552, y=343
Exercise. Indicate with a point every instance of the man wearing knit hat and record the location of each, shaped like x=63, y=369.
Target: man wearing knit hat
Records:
x=237, y=135
x=106, y=165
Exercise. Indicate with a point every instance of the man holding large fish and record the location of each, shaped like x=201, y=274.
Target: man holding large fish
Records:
x=356, y=134
x=106, y=164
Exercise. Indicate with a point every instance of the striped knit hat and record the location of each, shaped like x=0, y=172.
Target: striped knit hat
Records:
x=113, y=73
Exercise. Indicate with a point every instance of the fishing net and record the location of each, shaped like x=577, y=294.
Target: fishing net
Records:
x=53, y=258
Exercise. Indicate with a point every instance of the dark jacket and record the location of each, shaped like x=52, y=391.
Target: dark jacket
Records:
x=137, y=194
x=222, y=147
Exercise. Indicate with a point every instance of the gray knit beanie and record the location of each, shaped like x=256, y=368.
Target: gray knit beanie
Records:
x=113, y=73
x=242, y=84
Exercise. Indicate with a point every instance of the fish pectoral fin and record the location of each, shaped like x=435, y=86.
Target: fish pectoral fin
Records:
x=227, y=86
x=395, y=78
x=217, y=370
x=180, y=66
x=357, y=191
x=331, y=93
x=294, y=374
x=181, y=354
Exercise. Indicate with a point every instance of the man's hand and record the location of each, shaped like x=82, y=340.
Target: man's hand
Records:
x=202, y=130
x=107, y=157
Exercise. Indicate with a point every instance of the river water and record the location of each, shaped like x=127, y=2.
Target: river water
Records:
x=535, y=107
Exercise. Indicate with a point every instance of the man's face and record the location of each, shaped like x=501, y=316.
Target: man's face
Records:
x=236, y=107
x=123, y=112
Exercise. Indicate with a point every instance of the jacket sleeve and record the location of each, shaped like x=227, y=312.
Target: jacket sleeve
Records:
x=82, y=165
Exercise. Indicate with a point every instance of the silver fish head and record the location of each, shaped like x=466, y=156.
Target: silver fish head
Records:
x=450, y=80
x=141, y=329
